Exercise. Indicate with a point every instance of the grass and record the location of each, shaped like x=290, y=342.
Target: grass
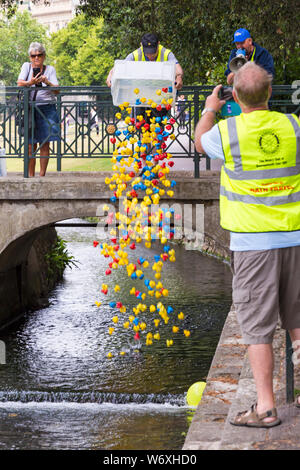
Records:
x=15, y=165
x=67, y=164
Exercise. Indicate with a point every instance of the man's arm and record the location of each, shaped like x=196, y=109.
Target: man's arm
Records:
x=178, y=76
x=206, y=122
x=108, y=80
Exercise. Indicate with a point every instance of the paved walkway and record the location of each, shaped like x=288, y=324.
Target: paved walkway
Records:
x=187, y=164
x=230, y=388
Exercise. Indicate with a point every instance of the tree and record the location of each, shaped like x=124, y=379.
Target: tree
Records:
x=93, y=61
x=10, y=6
x=65, y=44
x=200, y=31
x=16, y=34
x=80, y=53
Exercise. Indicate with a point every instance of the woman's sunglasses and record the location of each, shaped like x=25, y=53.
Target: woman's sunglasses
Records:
x=36, y=55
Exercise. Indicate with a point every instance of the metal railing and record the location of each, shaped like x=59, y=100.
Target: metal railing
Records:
x=81, y=137
x=289, y=370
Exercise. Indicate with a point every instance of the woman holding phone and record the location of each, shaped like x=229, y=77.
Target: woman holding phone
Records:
x=46, y=121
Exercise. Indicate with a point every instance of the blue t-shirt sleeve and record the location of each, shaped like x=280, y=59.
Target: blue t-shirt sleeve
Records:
x=212, y=144
x=266, y=61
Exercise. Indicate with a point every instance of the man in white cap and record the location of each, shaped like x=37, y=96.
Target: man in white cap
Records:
x=254, y=52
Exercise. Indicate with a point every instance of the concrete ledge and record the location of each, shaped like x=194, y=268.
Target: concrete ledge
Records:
x=205, y=432
x=230, y=389
x=91, y=185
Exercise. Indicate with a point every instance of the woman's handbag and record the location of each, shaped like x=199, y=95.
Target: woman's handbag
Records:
x=20, y=120
x=20, y=111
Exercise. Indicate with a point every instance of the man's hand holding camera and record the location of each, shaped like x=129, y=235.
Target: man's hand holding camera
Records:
x=213, y=104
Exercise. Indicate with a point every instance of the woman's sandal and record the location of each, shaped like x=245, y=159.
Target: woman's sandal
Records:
x=297, y=401
x=252, y=419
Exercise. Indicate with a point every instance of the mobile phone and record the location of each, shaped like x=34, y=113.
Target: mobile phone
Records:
x=36, y=71
x=226, y=94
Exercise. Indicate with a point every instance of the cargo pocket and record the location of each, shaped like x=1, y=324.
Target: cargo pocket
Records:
x=241, y=296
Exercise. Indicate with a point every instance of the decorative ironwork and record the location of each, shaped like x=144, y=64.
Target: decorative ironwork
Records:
x=87, y=121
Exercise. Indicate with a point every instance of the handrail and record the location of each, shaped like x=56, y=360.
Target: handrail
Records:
x=75, y=104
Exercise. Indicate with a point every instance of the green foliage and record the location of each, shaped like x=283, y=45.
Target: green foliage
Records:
x=200, y=32
x=10, y=6
x=58, y=259
x=80, y=53
x=64, y=48
x=16, y=34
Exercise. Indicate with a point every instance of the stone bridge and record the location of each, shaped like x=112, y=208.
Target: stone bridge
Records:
x=29, y=205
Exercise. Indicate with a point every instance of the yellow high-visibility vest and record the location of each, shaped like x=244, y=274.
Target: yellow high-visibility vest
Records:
x=162, y=55
x=252, y=57
x=260, y=178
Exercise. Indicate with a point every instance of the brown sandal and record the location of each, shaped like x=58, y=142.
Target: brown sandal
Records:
x=252, y=419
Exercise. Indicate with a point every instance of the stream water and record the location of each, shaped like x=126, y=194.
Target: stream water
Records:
x=58, y=389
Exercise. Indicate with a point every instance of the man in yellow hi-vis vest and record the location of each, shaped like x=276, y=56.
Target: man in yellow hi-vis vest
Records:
x=151, y=50
x=260, y=206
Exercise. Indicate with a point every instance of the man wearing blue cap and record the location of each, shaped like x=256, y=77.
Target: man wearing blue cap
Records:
x=254, y=52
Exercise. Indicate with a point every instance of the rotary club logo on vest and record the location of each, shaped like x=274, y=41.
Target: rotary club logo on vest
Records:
x=268, y=142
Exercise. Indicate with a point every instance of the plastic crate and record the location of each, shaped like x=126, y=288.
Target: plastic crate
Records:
x=147, y=77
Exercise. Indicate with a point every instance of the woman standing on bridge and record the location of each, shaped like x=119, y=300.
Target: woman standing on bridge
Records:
x=46, y=121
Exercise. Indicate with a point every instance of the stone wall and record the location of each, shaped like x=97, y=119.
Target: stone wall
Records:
x=24, y=281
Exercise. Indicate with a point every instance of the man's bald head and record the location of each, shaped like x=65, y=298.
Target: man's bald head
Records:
x=252, y=85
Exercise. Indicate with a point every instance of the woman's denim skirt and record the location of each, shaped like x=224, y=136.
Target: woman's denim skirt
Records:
x=46, y=124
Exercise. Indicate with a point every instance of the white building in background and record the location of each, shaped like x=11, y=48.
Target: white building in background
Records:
x=54, y=16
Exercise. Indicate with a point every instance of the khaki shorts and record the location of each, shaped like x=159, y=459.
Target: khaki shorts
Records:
x=266, y=287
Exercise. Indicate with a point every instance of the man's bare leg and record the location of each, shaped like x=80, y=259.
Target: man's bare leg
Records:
x=262, y=364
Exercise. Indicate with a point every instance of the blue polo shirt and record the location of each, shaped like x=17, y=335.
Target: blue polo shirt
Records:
x=261, y=57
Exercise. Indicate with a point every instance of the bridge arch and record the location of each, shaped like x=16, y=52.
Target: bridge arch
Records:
x=30, y=207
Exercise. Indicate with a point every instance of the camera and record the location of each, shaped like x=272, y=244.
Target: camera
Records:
x=226, y=94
